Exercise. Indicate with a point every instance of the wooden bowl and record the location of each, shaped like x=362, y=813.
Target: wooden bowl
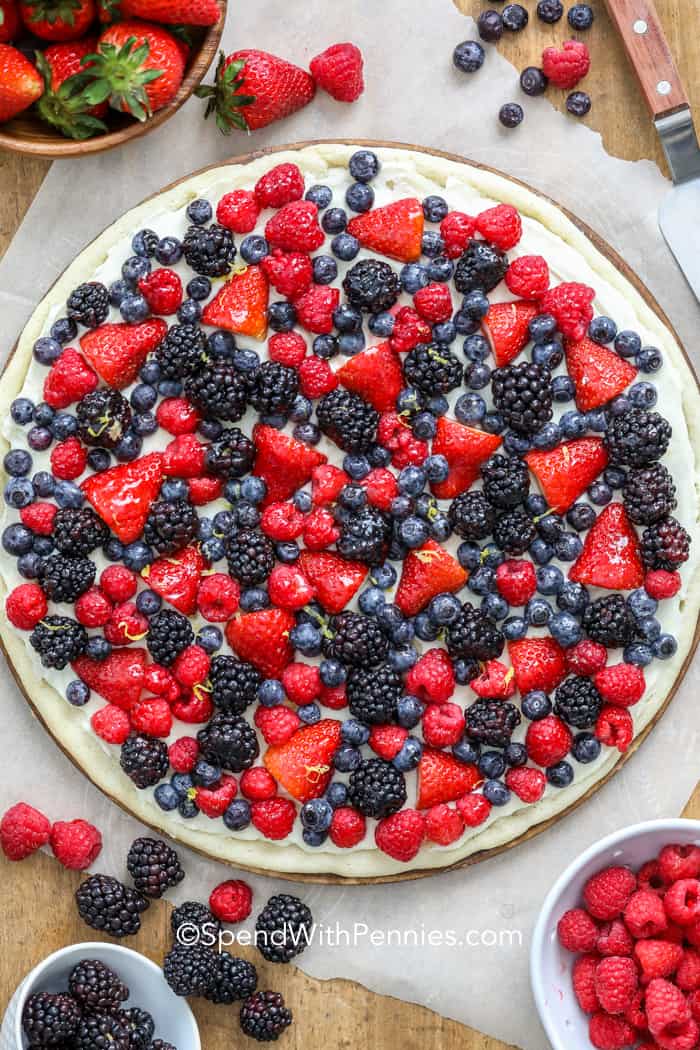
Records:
x=28, y=134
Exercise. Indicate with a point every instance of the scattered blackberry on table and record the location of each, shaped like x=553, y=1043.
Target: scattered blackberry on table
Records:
x=371, y=285
x=377, y=788
x=506, y=481
x=433, y=369
x=139, y=1025
x=209, y=250
x=282, y=928
x=231, y=455
x=637, y=438
x=78, y=531
x=154, y=866
x=228, y=741
x=347, y=419
x=610, y=621
x=89, y=304
x=169, y=632
x=578, y=103
x=64, y=579
x=522, y=395
x=472, y=516
x=274, y=388
x=511, y=114
x=182, y=351
x=235, y=979
x=251, y=556
x=355, y=640
x=550, y=11
x=195, y=916
x=363, y=536
x=101, y=1031
x=264, y=1016
x=515, y=17
x=49, y=1019
x=473, y=635
x=104, y=416
x=96, y=988
x=58, y=640
x=490, y=26
x=106, y=904
x=480, y=266
x=492, y=722
x=578, y=702
x=219, y=390
x=234, y=684
x=514, y=531
x=665, y=545
x=144, y=759
x=373, y=693
x=171, y=525
x=533, y=81
x=190, y=969
x=649, y=494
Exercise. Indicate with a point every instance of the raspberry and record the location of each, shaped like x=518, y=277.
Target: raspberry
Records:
x=443, y=824
x=334, y=697
x=152, y=716
x=320, y=530
x=68, y=459
x=295, y=228
x=570, y=305
x=688, y=973
x=158, y=679
x=287, y=348
x=204, y=490
x=679, y=862
x=75, y=844
x=634, y=1013
x=184, y=457
x=516, y=581
x=288, y=588
x=660, y=584
x=398, y=438
x=327, y=482
x=191, y=666
x=434, y=303
x=616, y=983
x=528, y=277
x=39, y=517
x=621, y=684
x=566, y=67
x=443, y=725
x=576, y=931
x=111, y=723
x=23, y=830
x=257, y=784
x=683, y=1037
x=500, y=225
x=644, y=914
x=348, y=827
x=614, y=939
x=606, y=894
x=610, y=1033
x=277, y=724
x=316, y=377
x=289, y=273
x=217, y=597
x=162, y=290
x=118, y=583
x=302, y=682
x=682, y=902
x=238, y=211
x=409, y=330
x=432, y=677
x=214, y=802
x=694, y=1004
x=195, y=708
x=315, y=308
x=280, y=185
x=381, y=487
x=274, y=818
x=231, y=901
x=583, y=980
x=26, y=605
x=548, y=741
x=456, y=230
x=474, y=809
x=183, y=754
x=338, y=70
x=401, y=835
x=125, y=625
x=666, y=1007
x=649, y=877
x=178, y=416
x=69, y=380
x=387, y=741
x=93, y=608
x=282, y=521
x=527, y=783
x=586, y=658
x=614, y=727
x=496, y=681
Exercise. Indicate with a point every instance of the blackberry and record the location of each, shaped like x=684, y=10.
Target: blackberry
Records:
x=190, y=969
x=160, y=1044
x=665, y=545
x=104, y=416
x=578, y=702
x=433, y=369
x=170, y=526
x=209, y=250
x=139, y=1026
x=355, y=640
x=106, y=904
x=89, y=304
x=348, y=420
x=49, y=1019
x=492, y=722
x=506, y=481
x=235, y=979
x=373, y=693
x=274, y=388
x=78, y=531
x=610, y=621
x=372, y=286
x=522, y=395
x=144, y=759
x=154, y=866
x=169, y=632
x=283, y=928
x=251, y=556
x=264, y=1016
x=363, y=536
x=472, y=516
x=193, y=915
x=514, y=531
x=228, y=741
x=377, y=788
x=219, y=390
x=58, y=640
x=637, y=438
x=96, y=988
x=101, y=1031
x=234, y=684
x=473, y=636
x=481, y=265
x=649, y=494
x=182, y=352
x=231, y=455
x=64, y=579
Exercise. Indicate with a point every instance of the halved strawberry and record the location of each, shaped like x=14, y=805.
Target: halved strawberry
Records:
x=284, y=463
x=375, y=374
x=427, y=572
x=465, y=449
x=336, y=580
x=117, y=351
x=177, y=578
x=262, y=638
x=441, y=778
x=610, y=557
x=68, y=380
x=241, y=305
x=565, y=472
x=538, y=663
x=123, y=495
x=119, y=678
x=395, y=229
x=599, y=374
x=304, y=764
x=506, y=325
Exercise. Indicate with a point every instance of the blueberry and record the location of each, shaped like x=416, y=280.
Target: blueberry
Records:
x=270, y=692
x=43, y=545
x=174, y=489
x=316, y=815
x=444, y=608
x=469, y=555
x=47, y=350
x=492, y=764
x=665, y=647
x=476, y=377
x=581, y=516
x=383, y=576
x=538, y=612
x=475, y=304
x=510, y=116
x=560, y=775
x=334, y=220
x=643, y=395
x=44, y=484
x=580, y=17
x=134, y=308
x=437, y=468
x=247, y=515
x=199, y=212
x=148, y=602
x=306, y=638
x=465, y=324
x=114, y=550
x=639, y=654
x=28, y=565
x=641, y=603
x=302, y=501
x=131, y=444
x=515, y=754
x=253, y=599
x=573, y=597
x=586, y=748
x=533, y=81
x=337, y=794
x=597, y=420
x=134, y=268
x=536, y=705
x=483, y=581
x=514, y=627
x=347, y=318
x=516, y=444
x=495, y=606
x=287, y=553
x=615, y=477
x=409, y=711
x=440, y=269
x=548, y=436
x=351, y=343
x=550, y=579
x=17, y=539
x=627, y=343
x=199, y=288
x=188, y=809
x=550, y=11
x=550, y=354
x=321, y=196
x=281, y=316
x=19, y=492
x=17, y=462
x=64, y=330
x=649, y=359
x=254, y=248
x=144, y=243
x=166, y=797
x=22, y=411
x=563, y=389
x=253, y=489
x=63, y=425
x=565, y=629
x=535, y=505
x=378, y=456
x=403, y=659
x=169, y=251
x=359, y=197
x=466, y=751
x=568, y=547
x=137, y=555
x=245, y=360
x=205, y=774
x=515, y=17
x=189, y=312
x=438, y=405
x=371, y=601
x=325, y=269
x=602, y=329
x=432, y=243
x=39, y=438
x=411, y=480
x=409, y=756
x=476, y=348
x=495, y=792
x=425, y=629
x=468, y=57
x=599, y=493
x=210, y=638
x=182, y=783
x=381, y=324
x=445, y=332
x=490, y=26
x=310, y=714
x=572, y=424
x=424, y=426
x=169, y=388
x=143, y=397
x=347, y=758
x=413, y=277
x=237, y=816
x=413, y=532
x=541, y=552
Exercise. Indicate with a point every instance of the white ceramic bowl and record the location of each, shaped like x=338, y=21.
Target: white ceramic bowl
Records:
x=550, y=965
x=174, y=1020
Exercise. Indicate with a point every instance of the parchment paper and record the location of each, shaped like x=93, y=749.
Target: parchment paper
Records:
x=413, y=95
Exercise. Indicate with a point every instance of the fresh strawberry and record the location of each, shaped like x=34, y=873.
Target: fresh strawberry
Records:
x=441, y=778
x=262, y=638
x=9, y=21
x=119, y=678
x=123, y=495
x=284, y=463
x=528, y=277
x=375, y=374
x=570, y=306
x=117, y=351
x=338, y=70
x=315, y=308
x=254, y=88
x=610, y=557
x=184, y=457
x=565, y=472
x=506, y=325
x=427, y=572
x=20, y=83
x=401, y=835
x=139, y=67
x=395, y=229
x=241, y=304
x=295, y=228
x=172, y=12
x=58, y=19
x=289, y=273
x=69, y=380
x=304, y=764
x=334, y=579
x=176, y=578
x=465, y=449
x=64, y=103
x=599, y=374
x=538, y=664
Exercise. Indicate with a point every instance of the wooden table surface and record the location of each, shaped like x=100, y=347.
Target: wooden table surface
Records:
x=38, y=913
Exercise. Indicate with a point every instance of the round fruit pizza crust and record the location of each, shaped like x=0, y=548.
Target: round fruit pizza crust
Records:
x=404, y=174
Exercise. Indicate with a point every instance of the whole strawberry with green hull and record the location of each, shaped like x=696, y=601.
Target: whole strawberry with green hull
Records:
x=64, y=104
x=254, y=88
x=58, y=19
x=138, y=67
x=20, y=83
x=170, y=12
